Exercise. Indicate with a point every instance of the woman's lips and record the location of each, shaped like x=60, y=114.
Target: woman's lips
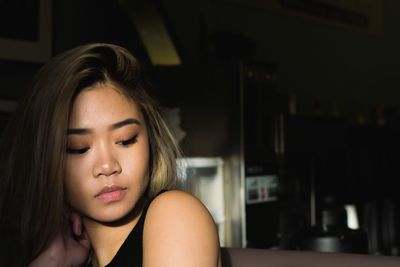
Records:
x=111, y=194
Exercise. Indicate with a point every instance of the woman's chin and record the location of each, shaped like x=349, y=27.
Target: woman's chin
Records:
x=114, y=217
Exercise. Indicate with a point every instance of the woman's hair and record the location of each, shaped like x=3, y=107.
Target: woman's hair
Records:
x=34, y=146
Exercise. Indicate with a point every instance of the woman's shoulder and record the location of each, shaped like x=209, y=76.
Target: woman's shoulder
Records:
x=180, y=229
x=177, y=207
x=175, y=200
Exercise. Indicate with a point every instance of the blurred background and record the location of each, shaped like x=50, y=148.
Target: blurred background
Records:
x=287, y=111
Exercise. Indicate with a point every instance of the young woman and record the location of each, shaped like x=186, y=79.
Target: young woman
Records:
x=88, y=157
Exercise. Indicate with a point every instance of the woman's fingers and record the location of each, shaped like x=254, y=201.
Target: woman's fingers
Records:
x=84, y=240
x=78, y=231
x=76, y=223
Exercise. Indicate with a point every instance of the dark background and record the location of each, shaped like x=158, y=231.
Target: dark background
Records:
x=343, y=81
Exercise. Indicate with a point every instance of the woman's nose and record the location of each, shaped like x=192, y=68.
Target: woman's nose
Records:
x=106, y=164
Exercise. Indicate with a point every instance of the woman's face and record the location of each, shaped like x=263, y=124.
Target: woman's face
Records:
x=108, y=154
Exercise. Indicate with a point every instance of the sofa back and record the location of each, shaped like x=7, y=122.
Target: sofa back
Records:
x=246, y=257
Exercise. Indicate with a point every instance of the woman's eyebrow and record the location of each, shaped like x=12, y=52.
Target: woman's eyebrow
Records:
x=117, y=125
x=120, y=124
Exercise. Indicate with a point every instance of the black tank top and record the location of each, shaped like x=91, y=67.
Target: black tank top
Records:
x=130, y=254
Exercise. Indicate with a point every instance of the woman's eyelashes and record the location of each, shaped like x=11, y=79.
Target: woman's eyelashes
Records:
x=77, y=150
x=82, y=150
x=129, y=141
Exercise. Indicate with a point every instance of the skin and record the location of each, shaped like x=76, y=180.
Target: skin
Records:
x=105, y=150
x=69, y=249
x=179, y=232
x=104, y=153
x=108, y=146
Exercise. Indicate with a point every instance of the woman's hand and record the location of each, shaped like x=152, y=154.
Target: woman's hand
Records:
x=70, y=248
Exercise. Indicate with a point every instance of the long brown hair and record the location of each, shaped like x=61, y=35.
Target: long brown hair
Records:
x=33, y=166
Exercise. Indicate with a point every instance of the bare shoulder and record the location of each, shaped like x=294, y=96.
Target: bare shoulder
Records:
x=179, y=231
x=176, y=203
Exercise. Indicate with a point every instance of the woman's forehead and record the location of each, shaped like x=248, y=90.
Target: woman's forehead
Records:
x=103, y=103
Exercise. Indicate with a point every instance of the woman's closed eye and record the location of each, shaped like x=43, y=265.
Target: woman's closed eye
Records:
x=77, y=150
x=129, y=141
x=82, y=150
